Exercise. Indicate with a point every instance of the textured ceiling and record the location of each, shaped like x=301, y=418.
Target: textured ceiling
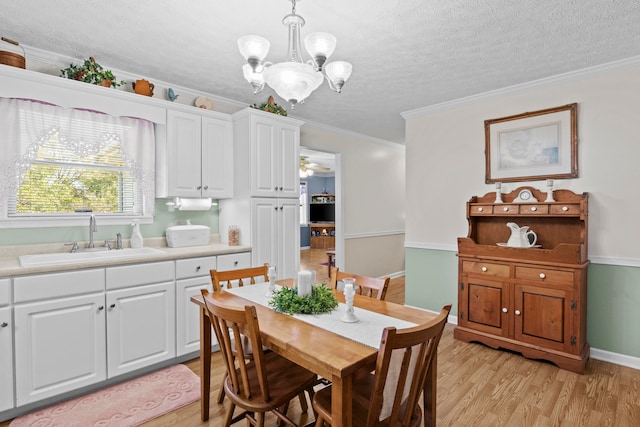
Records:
x=406, y=54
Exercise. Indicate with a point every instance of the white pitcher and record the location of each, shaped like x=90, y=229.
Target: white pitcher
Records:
x=520, y=236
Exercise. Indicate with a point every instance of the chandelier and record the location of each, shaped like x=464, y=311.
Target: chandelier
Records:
x=293, y=80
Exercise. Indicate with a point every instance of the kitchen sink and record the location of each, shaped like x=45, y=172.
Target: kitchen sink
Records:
x=85, y=256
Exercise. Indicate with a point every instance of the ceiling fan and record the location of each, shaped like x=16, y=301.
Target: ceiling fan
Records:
x=307, y=167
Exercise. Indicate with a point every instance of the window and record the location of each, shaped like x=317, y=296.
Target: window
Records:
x=63, y=163
x=304, y=203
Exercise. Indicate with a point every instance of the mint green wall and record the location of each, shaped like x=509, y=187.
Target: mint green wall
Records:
x=613, y=311
x=430, y=279
x=162, y=220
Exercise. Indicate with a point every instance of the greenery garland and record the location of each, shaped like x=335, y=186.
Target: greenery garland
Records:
x=287, y=300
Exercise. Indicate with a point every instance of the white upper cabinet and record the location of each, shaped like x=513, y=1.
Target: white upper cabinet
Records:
x=269, y=146
x=196, y=157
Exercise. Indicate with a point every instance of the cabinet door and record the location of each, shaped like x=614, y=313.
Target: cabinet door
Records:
x=289, y=161
x=140, y=327
x=264, y=158
x=543, y=317
x=6, y=359
x=217, y=158
x=60, y=346
x=264, y=232
x=484, y=305
x=288, y=217
x=184, y=142
x=188, y=314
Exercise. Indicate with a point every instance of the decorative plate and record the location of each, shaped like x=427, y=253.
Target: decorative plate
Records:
x=504, y=245
x=204, y=102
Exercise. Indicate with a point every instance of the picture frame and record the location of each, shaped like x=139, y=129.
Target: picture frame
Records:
x=532, y=146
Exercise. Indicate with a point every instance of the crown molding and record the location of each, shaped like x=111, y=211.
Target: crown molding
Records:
x=509, y=90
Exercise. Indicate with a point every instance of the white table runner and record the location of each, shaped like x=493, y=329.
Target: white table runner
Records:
x=367, y=331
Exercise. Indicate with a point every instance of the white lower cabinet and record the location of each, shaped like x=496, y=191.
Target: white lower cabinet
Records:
x=140, y=316
x=6, y=348
x=60, y=346
x=192, y=275
x=77, y=328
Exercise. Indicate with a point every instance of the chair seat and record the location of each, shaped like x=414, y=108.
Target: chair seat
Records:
x=285, y=378
x=360, y=403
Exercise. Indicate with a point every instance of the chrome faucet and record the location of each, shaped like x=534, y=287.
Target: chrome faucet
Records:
x=92, y=228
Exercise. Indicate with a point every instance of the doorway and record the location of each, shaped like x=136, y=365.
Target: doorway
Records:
x=320, y=230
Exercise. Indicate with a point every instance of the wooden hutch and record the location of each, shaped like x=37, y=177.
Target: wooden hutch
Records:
x=529, y=300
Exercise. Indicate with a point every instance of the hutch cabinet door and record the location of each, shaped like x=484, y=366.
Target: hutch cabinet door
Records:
x=485, y=306
x=543, y=317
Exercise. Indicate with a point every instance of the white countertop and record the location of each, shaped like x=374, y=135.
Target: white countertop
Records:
x=10, y=264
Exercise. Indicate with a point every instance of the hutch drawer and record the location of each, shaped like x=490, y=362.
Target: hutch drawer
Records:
x=568, y=209
x=481, y=210
x=534, y=209
x=486, y=268
x=544, y=275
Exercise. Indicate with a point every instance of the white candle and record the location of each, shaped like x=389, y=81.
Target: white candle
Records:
x=304, y=283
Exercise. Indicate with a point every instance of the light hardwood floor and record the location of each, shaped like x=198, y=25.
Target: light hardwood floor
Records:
x=479, y=386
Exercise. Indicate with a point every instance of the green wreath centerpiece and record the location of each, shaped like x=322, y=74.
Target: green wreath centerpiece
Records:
x=286, y=300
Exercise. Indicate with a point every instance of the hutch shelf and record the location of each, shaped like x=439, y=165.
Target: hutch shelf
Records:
x=529, y=300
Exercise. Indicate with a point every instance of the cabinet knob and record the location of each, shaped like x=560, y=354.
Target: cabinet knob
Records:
x=112, y=306
x=533, y=208
x=517, y=312
x=480, y=209
x=101, y=308
x=275, y=188
x=565, y=208
x=199, y=187
x=280, y=188
x=206, y=187
x=4, y=324
x=542, y=275
x=504, y=309
x=484, y=269
x=198, y=268
x=506, y=209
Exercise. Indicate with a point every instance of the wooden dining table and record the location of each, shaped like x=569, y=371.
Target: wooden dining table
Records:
x=323, y=352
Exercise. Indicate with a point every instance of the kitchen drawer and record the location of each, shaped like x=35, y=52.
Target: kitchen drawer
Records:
x=5, y=292
x=534, y=209
x=478, y=210
x=545, y=275
x=140, y=274
x=565, y=209
x=234, y=261
x=506, y=210
x=486, y=268
x=195, y=267
x=57, y=285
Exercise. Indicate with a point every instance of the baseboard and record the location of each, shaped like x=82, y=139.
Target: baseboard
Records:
x=603, y=355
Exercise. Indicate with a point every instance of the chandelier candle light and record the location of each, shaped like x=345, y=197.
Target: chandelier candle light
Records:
x=293, y=80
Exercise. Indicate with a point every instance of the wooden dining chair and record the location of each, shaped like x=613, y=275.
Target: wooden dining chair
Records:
x=389, y=396
x=265, y=383
x=369, y=286
x=220, y=279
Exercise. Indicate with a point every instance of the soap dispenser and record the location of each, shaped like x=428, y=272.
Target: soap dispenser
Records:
x=136, y=236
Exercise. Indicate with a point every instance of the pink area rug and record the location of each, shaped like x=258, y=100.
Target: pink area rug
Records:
x=127, y=404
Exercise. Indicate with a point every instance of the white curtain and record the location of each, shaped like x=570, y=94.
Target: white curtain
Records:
x=26, y=124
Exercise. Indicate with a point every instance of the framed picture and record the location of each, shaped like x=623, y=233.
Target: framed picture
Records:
x=532, y=146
